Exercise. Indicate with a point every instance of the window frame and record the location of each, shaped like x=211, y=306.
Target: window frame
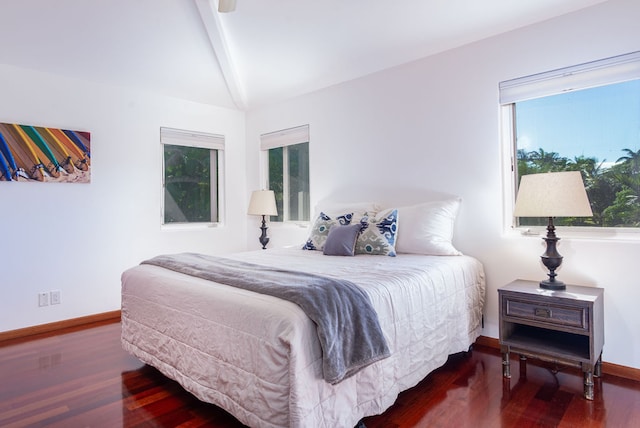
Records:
x=284, y=139
x=583, y=76
x=216, y=144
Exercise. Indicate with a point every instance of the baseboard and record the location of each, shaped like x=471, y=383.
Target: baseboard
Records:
x=489, y=342
x=55, y=327
x=621, y=371
x=607, y=368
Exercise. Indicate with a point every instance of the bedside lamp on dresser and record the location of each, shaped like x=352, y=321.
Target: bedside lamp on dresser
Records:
x=550, y=320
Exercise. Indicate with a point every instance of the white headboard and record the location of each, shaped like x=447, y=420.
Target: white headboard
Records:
x=390, y=197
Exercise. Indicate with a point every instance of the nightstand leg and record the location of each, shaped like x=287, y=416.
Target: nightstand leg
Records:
x=597, y=371
x=523, y=366
x=588, y=385
x=506, y=366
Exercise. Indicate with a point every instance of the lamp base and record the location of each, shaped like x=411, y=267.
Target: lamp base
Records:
x=551, y=259
x=264, y=240
x=553, y=285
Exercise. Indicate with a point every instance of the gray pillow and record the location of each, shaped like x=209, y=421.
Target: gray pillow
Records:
x=341, y=240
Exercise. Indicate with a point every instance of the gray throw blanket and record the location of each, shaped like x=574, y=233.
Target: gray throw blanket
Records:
x=347, y=325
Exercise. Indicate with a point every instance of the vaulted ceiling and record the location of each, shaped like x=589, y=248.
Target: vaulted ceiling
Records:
x=264, y=51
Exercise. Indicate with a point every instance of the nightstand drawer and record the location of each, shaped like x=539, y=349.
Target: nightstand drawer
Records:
x=555, y=314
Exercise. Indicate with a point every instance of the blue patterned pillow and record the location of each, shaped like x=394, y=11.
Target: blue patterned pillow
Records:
x=378, y=235
x=320, y=230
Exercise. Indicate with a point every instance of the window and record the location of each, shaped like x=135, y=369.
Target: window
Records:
x=288, y=171
x=584, y=118
x=191, y=176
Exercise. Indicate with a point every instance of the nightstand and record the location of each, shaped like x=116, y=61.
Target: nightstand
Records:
x=565, y=327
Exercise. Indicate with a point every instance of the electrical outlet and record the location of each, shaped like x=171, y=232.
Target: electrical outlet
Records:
x=43, y=299
x=55, y=297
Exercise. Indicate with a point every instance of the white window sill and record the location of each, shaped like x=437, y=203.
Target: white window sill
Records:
x=588, y=233
x=189, y=226
x=290, y=224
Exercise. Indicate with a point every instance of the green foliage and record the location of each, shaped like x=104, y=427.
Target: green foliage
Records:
x=625, y=211
x=299, y=182
x=187, y=175
x=276, y=178
x=296, y=169
x=614, y=193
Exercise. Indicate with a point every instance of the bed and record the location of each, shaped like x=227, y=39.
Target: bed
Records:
x=260, y=357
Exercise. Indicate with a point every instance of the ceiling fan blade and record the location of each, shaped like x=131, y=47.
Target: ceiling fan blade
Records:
x=225, y=6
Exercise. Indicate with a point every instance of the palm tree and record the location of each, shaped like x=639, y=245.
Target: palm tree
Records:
x=630, y=165
x=625, y=209
x=589, y=167
x=547, y=161
x=631, y=160
x=597, y=186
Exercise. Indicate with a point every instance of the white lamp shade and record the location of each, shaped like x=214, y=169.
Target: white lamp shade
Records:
x=263, y=202
x=552, y=194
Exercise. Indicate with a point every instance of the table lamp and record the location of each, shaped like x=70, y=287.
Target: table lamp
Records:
x=552, y=194
x=263, y=202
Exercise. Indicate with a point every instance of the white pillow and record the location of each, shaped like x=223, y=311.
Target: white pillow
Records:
x=332, y=208
x=427, y=228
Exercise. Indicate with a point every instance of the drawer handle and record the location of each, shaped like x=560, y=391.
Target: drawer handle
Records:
x=543, y=312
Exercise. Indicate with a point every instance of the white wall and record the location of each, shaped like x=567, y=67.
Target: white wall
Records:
x=435, y=124
x=78, y=238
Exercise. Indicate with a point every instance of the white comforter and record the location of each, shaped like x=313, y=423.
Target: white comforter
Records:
x=259, y=357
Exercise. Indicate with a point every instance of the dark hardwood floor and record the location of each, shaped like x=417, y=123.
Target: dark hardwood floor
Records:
x=82, y=378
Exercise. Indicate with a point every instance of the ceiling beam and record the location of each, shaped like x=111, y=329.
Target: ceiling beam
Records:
x=213, y=26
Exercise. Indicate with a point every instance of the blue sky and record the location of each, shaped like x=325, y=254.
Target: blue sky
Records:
x=597, y=122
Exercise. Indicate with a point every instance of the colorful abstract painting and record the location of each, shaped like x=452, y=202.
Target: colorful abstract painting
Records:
x=35, y=153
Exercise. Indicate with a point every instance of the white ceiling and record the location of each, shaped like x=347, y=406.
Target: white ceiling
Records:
x=264, y=51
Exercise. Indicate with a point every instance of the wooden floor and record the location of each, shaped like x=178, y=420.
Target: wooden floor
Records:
x=84, y=379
